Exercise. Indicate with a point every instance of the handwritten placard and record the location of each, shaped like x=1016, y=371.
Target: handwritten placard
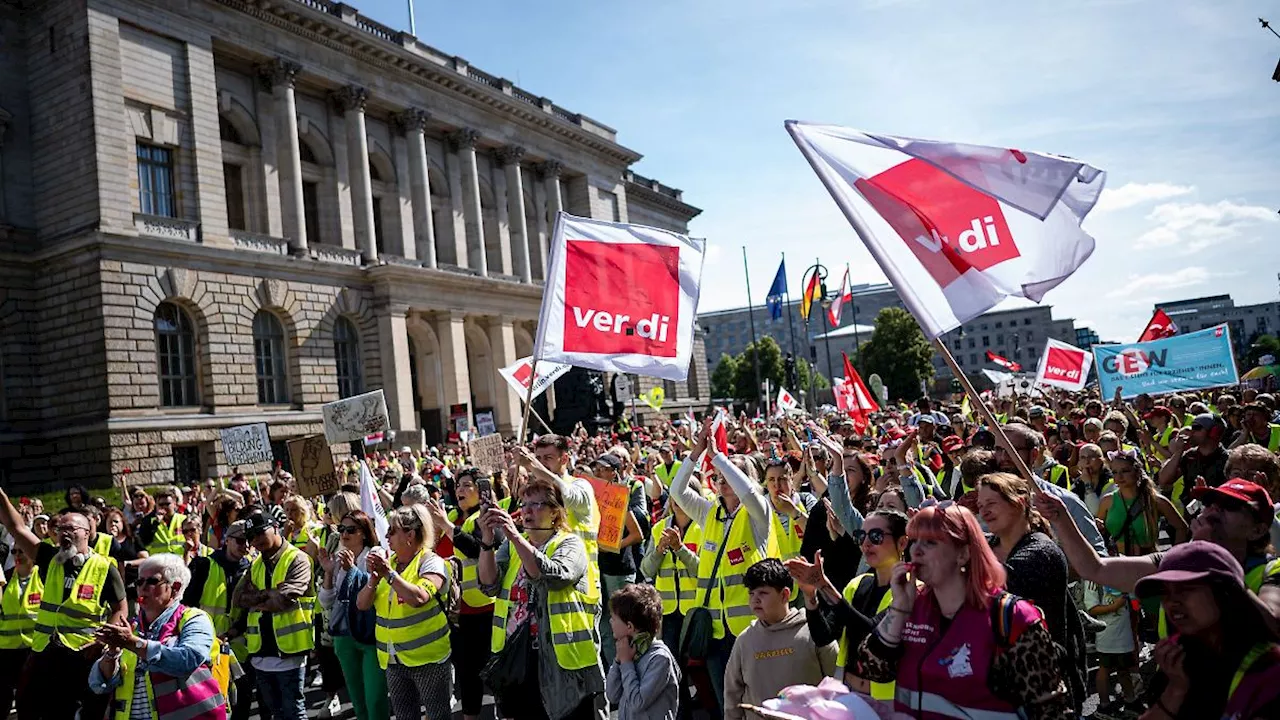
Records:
x=313, y=468
x=486, y=453
x=246, y=444
x=614, y=502
x=355, y=418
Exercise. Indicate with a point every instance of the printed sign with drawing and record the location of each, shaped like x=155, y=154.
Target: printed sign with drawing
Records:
x=356, y=417
x=486, y=453
x=246, y=444
x=485, y=424
x=614, y=502
x=313, y=466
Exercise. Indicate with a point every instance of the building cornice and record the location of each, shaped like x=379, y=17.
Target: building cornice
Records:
x=345, y=31
x=644, y=193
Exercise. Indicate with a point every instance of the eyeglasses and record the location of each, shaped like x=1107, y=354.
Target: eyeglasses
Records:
x=69, y=528
x=536, y=505
x=875, y=535
x=150, y=582
x=348, y=529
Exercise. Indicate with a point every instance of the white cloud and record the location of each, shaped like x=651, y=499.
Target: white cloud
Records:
x=1133, y=194
x=1192, y=227
x=1186, y=277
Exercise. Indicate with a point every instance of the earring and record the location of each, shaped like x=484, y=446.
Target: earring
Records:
x=964, y=569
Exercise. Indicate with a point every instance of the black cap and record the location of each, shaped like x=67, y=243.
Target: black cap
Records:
x=610, y=460
x=257, y=523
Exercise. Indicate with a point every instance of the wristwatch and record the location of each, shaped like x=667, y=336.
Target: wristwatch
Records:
x=392, y=575
x=139, y=645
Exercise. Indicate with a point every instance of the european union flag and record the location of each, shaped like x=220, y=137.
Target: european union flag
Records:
x=777, y=290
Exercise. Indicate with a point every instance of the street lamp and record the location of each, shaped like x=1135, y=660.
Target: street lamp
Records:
x=820, y=271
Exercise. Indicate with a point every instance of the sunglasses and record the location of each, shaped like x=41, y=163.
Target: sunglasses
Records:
x=348, y=529
x=536, y=505
x=149, y=582
x=875, y=535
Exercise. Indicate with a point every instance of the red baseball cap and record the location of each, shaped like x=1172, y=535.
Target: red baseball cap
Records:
x=1249, y=493
x=1158, y=410
x=952, y=443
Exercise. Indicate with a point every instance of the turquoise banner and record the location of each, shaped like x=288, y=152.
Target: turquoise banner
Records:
x=1193, y=361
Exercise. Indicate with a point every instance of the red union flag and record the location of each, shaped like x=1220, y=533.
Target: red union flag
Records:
x=956, y=228
x=1063, y=366
x=1004, y=362
x=1161, y=326
x=786, y=401
x=620, y=298
x=520, y=374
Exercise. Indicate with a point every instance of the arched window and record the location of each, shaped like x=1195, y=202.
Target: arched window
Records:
x=269, y=359
x=176, y=353
x=346, y=353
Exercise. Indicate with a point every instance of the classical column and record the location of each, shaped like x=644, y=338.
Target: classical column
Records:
x=280, y=75
x=397, y=384
x=452, y=335
x=351, y=100
x=463, y=142
x=210, y=184
x=502, y=344
x=413, y=122
x=549, y=172
x=510, y=156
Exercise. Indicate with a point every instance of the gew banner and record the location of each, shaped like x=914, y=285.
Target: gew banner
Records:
x=1183, y=362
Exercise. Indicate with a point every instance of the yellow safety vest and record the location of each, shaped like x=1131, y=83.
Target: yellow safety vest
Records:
x=215, y=599
x=102, y=545
x=292, y=628
x=204, y=703
x=671, y=576
x=18, y=611
x=407, y=635
x=879, y=691
x=168, y=537
x=666, y=476
x=1058, y=475
x=789, y=537
x=75, y=618
x=470, y=583
x=586, y=528
x=733, y=601
x=573, y=624
x=1273, y=442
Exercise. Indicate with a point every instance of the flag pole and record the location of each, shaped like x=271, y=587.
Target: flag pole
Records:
x=751, y=317
x=853, y=308
x=913, y=305
x=791, y=328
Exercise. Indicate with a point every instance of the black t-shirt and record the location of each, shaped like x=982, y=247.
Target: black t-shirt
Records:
x=112, y=592
x=1194, y=464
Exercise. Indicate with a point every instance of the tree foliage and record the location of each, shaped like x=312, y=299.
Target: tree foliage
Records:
x=899, y=353
x=772, y=369
x=724, y=377
x=1258, y=346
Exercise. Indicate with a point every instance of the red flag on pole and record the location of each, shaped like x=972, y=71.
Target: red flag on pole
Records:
x=1161, y=326
x=844, y=298
x=1004, y=362
x=858, y=400
x=719, y=436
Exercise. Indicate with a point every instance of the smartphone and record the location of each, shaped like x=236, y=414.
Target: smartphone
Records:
x=485, y=488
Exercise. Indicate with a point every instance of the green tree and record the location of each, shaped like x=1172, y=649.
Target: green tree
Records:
x=1258, y=346
x=771, y=368
x=899, y=353
x=802, y=372
x=724, y=377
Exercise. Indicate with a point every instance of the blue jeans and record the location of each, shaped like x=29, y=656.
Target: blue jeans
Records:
x=282, y=695
x=717, y=661
x=608, y=585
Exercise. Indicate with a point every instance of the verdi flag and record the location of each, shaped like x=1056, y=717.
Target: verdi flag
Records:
x=956, y=228
x=1004, y=362
x=1064, y=366
x=776, y=291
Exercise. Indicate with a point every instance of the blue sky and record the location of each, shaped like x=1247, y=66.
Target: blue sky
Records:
x=1174, y=99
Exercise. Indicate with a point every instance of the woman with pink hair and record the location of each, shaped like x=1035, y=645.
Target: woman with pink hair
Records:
x=961, y=646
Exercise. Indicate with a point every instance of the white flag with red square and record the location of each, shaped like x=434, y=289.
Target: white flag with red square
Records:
x=1064, y=366
x=520, y=374
x=956, y=228
x=786, y=401
x=620, y=298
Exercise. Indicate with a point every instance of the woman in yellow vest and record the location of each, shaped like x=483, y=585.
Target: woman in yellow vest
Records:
x=407, y=590
x=345, y=574
x=470, y=638
x=19, y=605
x=737, y=533
x=849, y=616
x=544, y=605
x=790, y=508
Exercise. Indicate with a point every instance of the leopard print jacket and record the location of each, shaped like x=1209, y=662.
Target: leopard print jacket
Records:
x=1026, y=674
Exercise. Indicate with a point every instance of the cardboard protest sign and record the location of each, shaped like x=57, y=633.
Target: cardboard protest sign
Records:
x=486, y=453
x=313, y=469
x=614, y=501
x=246, y=444
x=356, y=417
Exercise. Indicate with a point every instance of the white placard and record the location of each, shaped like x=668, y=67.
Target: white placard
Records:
x=246, y=444
x=356, y=417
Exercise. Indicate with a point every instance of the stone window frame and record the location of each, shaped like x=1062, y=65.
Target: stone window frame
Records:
x=150, y=169
x=348, y=364
x=186, y=352
x=324, y=173
x=271, y=347
x=385, y=190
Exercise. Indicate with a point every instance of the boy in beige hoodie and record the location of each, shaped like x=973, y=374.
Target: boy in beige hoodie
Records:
x=776, y=651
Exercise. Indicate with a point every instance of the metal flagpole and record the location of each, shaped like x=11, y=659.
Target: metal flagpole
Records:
x=853, y=308
x=751, y=317
x=786, y=306
x=413, y=26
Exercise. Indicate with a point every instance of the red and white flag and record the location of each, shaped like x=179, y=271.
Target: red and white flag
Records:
x=620, y=298
x=854, y=398
x=1004, y=362
x=719, y=436
x=1064, y=366
x=845, y=297
x=956, y=228
x=1161, y=326
x=520, y=374
x=786, y=401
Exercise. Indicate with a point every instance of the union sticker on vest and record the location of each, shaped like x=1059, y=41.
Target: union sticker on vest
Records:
x=85, y=592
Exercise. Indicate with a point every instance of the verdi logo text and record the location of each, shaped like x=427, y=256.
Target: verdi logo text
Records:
x=621, y=298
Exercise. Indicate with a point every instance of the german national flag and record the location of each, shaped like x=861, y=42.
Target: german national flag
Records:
x=811, y=295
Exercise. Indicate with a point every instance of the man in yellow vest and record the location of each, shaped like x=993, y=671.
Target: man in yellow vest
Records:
x=81, y=590
x=214, y=578
x=19, y=605
x=1258, y=428
x=161, y=531
x=667, y=469
x=279, y=596
x=550, y=461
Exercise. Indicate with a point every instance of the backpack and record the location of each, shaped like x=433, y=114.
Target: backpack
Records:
x=452, y=601
x=1002, y=623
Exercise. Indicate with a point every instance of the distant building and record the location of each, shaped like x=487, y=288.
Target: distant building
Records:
x=1018, y=335
x=1247, y=322
x=1086, y=337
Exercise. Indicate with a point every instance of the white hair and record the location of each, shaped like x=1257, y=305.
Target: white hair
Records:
x=415, y=493
x=168, y=565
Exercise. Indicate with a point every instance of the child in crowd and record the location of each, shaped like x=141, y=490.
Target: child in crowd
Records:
x=777, y=650
x=644, y=679
x=1114, y=645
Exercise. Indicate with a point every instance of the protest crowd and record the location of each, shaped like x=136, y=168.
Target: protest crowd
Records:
x=687, y=568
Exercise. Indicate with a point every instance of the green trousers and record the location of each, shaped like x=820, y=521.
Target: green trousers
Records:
x=366, y=680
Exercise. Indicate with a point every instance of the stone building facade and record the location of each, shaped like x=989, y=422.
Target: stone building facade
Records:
x=216, y=212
